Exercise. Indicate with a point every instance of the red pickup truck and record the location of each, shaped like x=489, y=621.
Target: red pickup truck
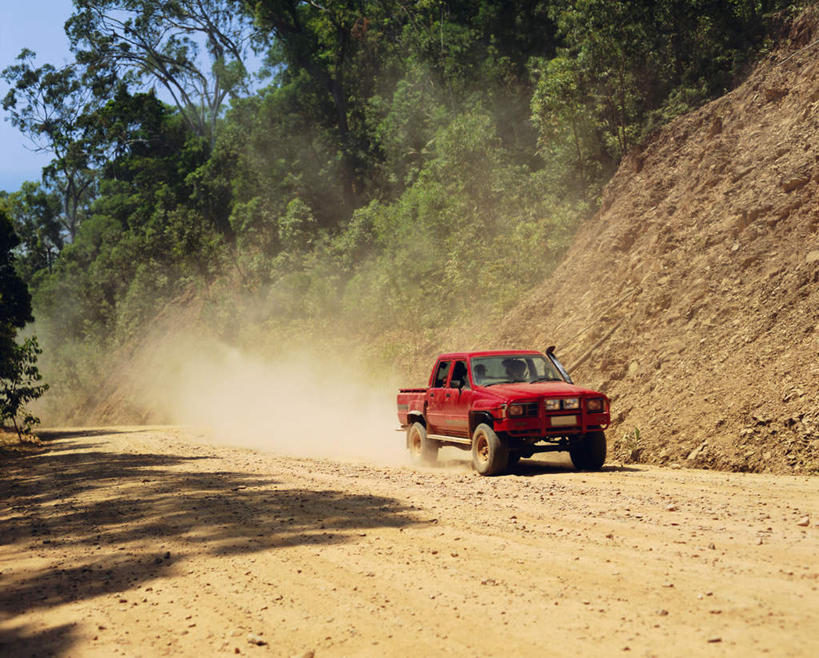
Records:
x=503, y=405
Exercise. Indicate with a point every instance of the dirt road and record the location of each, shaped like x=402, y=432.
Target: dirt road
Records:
x=151, y=541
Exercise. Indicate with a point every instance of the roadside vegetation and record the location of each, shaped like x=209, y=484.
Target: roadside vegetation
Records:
x=20, y=380
x=386, y=169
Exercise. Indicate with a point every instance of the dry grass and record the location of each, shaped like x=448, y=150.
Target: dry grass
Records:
x=11, y=445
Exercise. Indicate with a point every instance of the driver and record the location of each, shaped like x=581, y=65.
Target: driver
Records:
x=515, y=369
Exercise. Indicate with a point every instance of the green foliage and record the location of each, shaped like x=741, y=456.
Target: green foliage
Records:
x=35, y=211
x=471, y=232
x=626, y=67
x=51, y=106
x=19, y=376
x=19, y=385
x=569, y=135
x=153, y=227
x=15, y=301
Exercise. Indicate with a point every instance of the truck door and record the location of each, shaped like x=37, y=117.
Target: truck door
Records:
x=435, y=398
x=457, y=401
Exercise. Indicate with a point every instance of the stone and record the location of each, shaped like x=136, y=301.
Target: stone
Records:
x=741, y=172
x=696, y=452
x=790, y=183
x=775, y=93
x=804, y=521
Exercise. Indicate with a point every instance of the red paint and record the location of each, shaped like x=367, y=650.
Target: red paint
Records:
x=448, y=410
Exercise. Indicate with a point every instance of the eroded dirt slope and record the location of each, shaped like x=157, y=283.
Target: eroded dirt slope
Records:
x=703, y=266
x=150, y=542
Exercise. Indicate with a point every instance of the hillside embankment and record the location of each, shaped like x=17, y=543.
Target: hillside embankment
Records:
x=699, y=279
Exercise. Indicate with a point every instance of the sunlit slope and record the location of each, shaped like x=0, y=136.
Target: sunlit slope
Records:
x=703, y=266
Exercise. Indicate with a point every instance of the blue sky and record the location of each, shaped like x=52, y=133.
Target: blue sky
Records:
x=37, y=25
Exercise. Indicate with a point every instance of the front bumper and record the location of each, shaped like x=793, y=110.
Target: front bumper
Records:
x=553, y=425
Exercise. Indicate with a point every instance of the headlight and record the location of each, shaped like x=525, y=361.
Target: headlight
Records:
x=571, y=403
x=595, y=404
x=552, y=405
x=515, y=410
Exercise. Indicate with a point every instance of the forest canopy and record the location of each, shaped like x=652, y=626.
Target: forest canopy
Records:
x=379, y=166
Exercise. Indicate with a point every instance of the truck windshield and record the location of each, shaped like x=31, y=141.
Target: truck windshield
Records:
x=506, y=369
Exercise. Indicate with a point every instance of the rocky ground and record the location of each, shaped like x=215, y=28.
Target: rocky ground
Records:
x=157, y=541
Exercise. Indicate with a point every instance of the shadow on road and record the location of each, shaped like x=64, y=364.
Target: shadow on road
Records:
x=555, y=464
x=53, y=434
x=23, y=641
x=530, y=468
x=136, y=515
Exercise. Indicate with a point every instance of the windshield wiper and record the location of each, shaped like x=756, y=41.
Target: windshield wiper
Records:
x=544, y=379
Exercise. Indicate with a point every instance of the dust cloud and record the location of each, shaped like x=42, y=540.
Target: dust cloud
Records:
x=304, y=405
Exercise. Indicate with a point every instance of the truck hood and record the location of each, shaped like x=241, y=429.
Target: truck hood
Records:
x=541, y=390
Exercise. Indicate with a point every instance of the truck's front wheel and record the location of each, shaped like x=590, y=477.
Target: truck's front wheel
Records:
x=422, y=449
x=490, y=454
x=589, y=453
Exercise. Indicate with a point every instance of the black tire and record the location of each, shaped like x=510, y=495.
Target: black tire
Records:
x=422, y=450
x=589, y=452
x=577, y=451
x=490, y=454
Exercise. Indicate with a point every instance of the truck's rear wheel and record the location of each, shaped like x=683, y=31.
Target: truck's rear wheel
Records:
x=490, y=454
x=589, y=452
x=422, y=449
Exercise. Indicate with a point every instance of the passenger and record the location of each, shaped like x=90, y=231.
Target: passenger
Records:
x=515, y=369
x=479, y=373
x=459, y=375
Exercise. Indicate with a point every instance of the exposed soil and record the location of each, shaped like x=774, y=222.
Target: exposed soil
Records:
x=152, y=541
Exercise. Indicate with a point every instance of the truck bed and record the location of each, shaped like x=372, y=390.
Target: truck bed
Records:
x=410, y=399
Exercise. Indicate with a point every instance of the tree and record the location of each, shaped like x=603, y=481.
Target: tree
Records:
x=35, y=213
x=15, y=301
x=639, y=63
x=49, y=105
x=20, y=385
x=19, y=376
x=317, y=51
x=150, y=41
x=566, y=124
